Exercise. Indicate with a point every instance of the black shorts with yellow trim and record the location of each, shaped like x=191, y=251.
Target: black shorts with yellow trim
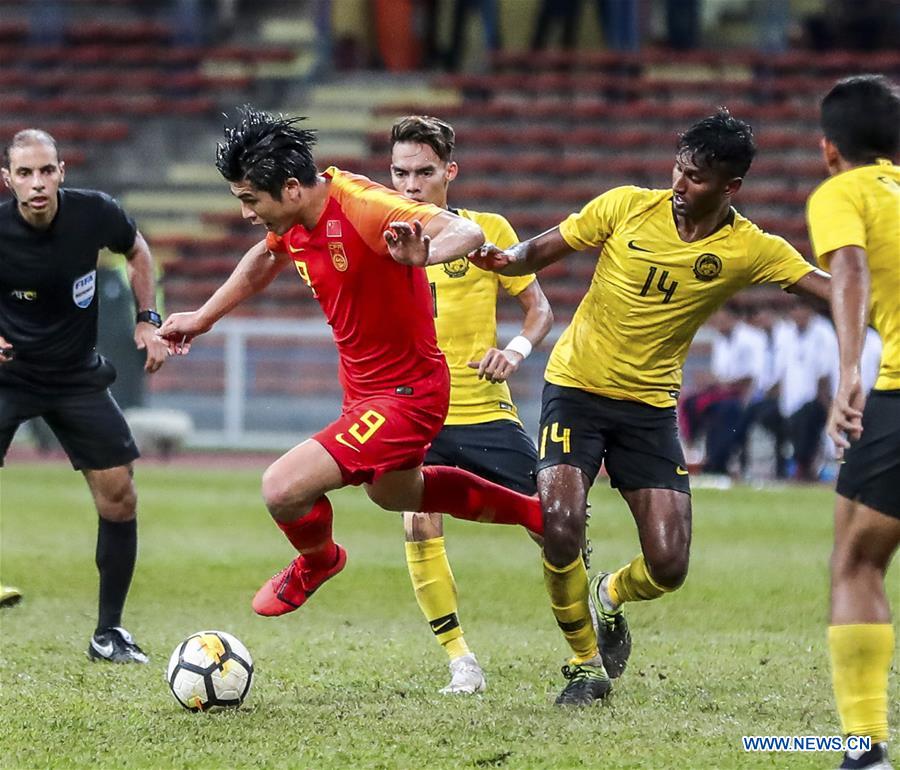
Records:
x=499, y=451
x=638, y=443
x=871, y=471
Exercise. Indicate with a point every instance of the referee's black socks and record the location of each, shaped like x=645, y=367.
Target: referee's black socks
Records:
x=115, y=557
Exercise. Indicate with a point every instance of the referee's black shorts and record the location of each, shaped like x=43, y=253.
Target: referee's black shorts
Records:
x=638, y=443
x=499, y=451
x=90, y=426
x=871, y=471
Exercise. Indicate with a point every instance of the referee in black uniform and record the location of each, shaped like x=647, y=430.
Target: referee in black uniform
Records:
x=49, y=365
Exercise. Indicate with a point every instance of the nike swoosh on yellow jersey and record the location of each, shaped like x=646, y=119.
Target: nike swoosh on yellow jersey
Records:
x=341, y=440
x=681, y=471
x=633, y=245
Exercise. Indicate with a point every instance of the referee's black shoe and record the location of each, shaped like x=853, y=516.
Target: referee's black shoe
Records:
x=116, y=646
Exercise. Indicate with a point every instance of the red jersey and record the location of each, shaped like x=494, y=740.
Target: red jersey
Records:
x=381, y=312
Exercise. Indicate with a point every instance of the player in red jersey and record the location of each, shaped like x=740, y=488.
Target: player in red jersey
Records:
x=360, y=248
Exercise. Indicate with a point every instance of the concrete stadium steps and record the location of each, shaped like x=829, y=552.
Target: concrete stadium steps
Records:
x=168, y=202
x=117, y=68
x=828, y=63
x=113, y=80
x=548, y=109
x=532, y=167
x=500, y=138
x=624, y=88
x=346, y=113
x=194, y=175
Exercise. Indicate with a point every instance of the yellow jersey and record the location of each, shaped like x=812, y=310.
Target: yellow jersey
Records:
x=465, y=317
x=651, y=291
x=861, y=207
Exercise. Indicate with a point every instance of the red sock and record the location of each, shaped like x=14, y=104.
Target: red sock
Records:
x=466, y=496
x=311, y=535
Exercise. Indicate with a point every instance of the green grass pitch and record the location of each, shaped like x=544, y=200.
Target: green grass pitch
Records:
x=351, y=680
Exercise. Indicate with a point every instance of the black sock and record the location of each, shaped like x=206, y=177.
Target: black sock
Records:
x=116, y=554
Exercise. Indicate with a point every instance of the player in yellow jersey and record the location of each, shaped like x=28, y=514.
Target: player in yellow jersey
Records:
x=482, y=432
x=669, y=259
x=854, y=227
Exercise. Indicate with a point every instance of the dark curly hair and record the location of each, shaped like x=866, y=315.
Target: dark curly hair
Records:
x=720, y=142
x=266, y=151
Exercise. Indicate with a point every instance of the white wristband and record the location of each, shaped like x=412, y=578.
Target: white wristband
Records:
x=520, y=345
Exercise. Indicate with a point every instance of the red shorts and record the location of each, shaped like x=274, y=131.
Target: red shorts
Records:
x=384, y=433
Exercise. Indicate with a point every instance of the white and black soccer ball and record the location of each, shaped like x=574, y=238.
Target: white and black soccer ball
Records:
x=210, y=670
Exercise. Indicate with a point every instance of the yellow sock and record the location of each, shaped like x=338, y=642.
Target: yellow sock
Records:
x=435, y=591
x=633, y=583
x=860, y=660
x=568, y=589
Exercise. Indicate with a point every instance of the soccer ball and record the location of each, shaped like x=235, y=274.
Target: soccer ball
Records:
x=210, y=670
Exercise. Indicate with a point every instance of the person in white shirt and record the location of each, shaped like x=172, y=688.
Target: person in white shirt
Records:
x=869, y=364
x=806, y=357
x=762, y=408
x=736, y=366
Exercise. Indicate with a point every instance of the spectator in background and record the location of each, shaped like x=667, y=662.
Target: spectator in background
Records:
x=682, y=24
x=772, y=19
x=715, y=410
x=431, y=52
x=197, y=22
x=46, y=22
x=869, y=363
x=857, y=25
x=620, y=21
x=805, y=360
x=552, y=13
x=490, y=25
x=762, y=408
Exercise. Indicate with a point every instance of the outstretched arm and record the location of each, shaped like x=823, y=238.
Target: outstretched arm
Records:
x=527, y=257
x=816, y=286
x=142, y=277
x=849, y=311
x=256, y=270
x=444, y=238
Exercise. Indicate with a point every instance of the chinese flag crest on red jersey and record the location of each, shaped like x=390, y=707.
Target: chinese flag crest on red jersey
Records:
x=333, y=228
x=338, y=257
